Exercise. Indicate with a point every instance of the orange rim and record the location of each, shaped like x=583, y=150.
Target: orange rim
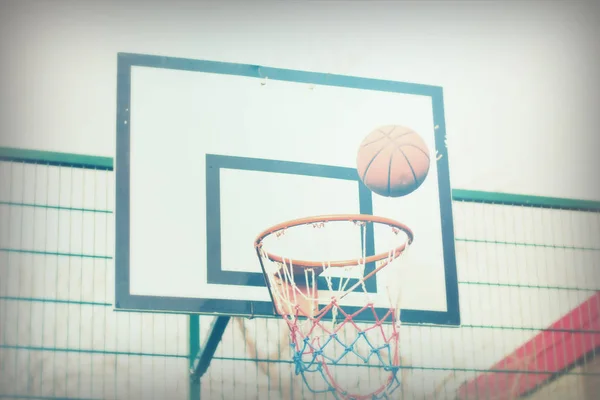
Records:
x=334, y=218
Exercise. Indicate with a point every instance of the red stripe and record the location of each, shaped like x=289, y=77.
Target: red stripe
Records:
x=549, y=352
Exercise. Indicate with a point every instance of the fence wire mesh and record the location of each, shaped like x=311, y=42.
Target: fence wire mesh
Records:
x=528, y=280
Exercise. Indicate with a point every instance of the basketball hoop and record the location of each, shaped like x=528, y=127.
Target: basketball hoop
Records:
x=320, y=336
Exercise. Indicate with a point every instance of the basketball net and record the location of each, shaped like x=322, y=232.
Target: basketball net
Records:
x=321, y=301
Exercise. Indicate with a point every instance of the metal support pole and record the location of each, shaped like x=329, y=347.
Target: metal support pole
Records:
x=208, y=348
x=194, y=347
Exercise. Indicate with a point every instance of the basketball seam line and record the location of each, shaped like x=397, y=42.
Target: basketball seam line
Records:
x=370, y=163
x=417, y=147
x=393, y=129
x=409, y=166
x=373, y=141
x=399, y=147
x=386, y=135
x=393, y=140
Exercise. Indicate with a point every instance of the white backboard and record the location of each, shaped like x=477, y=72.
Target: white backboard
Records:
x=211, y=154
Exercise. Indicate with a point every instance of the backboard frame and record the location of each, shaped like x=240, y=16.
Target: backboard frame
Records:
x=125, y=300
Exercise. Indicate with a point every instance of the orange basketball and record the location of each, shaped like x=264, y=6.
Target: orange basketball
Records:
x=393, y=161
